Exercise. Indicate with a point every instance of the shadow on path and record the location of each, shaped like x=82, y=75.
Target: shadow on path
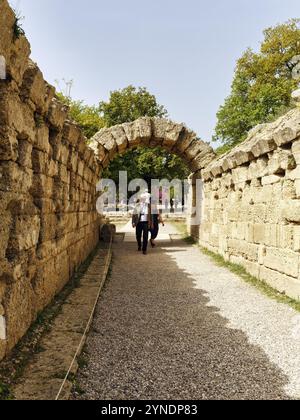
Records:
x=154, y=337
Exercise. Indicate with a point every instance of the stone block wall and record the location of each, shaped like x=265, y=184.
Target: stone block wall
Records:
x=49, y=224
x=251, y=209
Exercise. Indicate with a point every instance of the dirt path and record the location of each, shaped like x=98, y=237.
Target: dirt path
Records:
x=172, y=325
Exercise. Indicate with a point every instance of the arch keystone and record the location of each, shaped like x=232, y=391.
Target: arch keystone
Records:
x=106, y=139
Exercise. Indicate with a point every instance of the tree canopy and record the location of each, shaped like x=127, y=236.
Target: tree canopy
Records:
x=87, y=117
x=262, y=84
x=127, y=105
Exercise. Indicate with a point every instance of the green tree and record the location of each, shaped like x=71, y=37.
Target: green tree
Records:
x=87, y=117
x=127, y=105
x=262, y=84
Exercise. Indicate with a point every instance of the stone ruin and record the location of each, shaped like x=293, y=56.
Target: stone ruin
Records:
x=48, y=176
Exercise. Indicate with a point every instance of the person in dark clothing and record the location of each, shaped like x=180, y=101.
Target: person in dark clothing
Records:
x=156, y=220
x=141, y=220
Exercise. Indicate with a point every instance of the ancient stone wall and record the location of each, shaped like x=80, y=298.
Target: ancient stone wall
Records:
x=251, y=211
x=48, y=177
x=48, y=174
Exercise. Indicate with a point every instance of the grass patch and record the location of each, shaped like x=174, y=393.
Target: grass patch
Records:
x=189, y=240
x=18, y=29
x=254, y=281
x=82, y=362
x=5, y=393
x=181, y=227
x=77, y=389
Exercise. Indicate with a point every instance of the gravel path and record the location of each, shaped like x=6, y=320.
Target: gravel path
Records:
x=172, y=325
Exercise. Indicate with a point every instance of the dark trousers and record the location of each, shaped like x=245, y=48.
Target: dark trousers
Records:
x=142, y=230
x=154, y=231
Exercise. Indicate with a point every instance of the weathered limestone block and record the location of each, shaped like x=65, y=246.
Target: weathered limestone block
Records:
x=46, y=205
x=82, y=146
x=241, y=247
x=8, y=146
x=158, y=131
x=196, y=148
x=258, y=168
x=80, y=168
x=252, y=268
x=102, y=154
x=25, y=234
x=42, y=186
x=48, y=227
x=297, y=188
x=16, y=52
x=216, y=169
x=88, y=157
x=7, y=20
x=282, y=260
x=288, y=190
x=281, y=161
x=18, y=116
x=271, y=179
x=14, y=178
x=57, y=268
x=296, y=151
x=25, y=154
x=66, y=223
x=257, y=213
x=291, y=211
x=240, y=157
x=142, y=128
x=105, y=139
x=63, y=174
x=237, y=231
x=294, y=174
x=17, y=58
x=172, y=134
x=71, y=133
x=296, y=238
x=72, y=164
x=228, y=163
x=42, y=139
x=216, y=184
x=284, y=284
x=263, y=145
x=206, y=174
x=288, y=128
x=20, y=310
x=271, y=235
x=259, y=233
x=120, y=137
x=57, y=114
x=240, y=175
x=185, y=139
x=34, y=87
x=132, y=133
x=202, y=161
x=285, y=236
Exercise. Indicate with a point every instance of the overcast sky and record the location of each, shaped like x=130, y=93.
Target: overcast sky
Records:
x=184, y=51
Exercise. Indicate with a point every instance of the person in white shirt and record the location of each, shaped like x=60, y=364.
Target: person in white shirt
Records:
x=142, y=221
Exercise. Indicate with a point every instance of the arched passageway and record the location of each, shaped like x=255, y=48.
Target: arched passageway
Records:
x=153, y=132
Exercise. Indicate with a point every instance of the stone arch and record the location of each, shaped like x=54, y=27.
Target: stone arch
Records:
x=152, y=132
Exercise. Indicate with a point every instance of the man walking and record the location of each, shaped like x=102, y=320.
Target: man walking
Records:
x=142, y=221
